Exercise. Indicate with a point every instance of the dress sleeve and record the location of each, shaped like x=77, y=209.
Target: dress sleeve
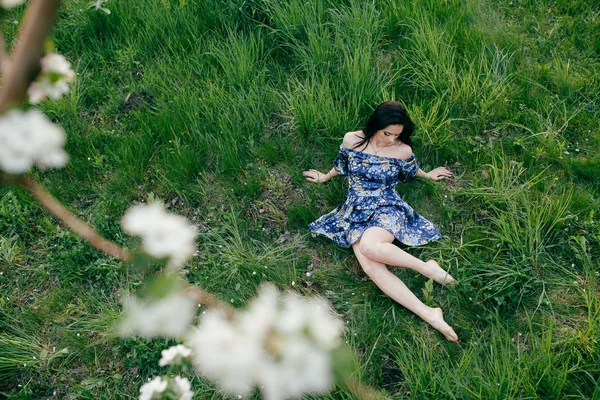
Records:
x=409, y=169
x=340, y=164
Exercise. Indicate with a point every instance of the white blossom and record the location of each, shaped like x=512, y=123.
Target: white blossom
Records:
x=183, y=388
x=167, y=317
x=155, y=386
x=260, y=316
x=35, y=93
x=173, y=355
x=11, y=3
x=225, y=354
x=312, y=315
x=277, y=344
x=98, y=5
x=163, y=234
x=54, y=78
x=28, y=138
x=301, y=368
x=323, y=328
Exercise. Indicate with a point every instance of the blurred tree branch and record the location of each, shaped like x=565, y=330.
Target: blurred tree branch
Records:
x=3, y=57
x=210, y=300
x=67, y=217
x=25, y=63
x=363, y=391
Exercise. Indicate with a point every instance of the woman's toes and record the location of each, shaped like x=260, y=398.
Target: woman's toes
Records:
x=451, y=335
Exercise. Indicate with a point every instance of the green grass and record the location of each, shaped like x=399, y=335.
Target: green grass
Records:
x=217, y=107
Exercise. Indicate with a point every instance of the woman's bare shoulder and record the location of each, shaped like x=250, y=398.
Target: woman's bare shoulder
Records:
x=352, y=138
x=401, y=151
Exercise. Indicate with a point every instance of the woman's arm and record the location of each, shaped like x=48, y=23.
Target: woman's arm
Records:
x=435, y=174
x=312, y=175
x=421, y=174
x=340, y=164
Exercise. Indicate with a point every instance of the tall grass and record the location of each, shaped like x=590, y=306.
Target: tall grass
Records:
x=233, y=257
x=17, y=355
x=527, y=227
x=314, y=108
x=499, y=357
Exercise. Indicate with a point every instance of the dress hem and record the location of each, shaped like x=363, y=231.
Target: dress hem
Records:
x=315, y=233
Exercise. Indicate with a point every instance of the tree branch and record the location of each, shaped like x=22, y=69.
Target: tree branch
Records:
x=208, y=299
x=3, y=57
x=67, y=217
x=25, y=65
x=362, y=391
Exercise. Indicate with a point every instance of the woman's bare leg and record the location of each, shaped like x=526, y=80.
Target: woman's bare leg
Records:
x=391, y=285
x=376, y=244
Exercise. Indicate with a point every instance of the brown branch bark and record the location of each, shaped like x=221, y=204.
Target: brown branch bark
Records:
x=25, y=64
x=67, y=217
x=363, y=391
x=3, y=58
x=210, y=300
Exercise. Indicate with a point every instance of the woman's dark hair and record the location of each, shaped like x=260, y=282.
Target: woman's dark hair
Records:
x=388, y=113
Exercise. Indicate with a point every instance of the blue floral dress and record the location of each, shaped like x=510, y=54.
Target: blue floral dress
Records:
x=372, y=200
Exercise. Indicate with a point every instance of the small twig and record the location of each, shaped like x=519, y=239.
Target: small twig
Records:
x=67, y=217
x=210, y=300
x=25, y=64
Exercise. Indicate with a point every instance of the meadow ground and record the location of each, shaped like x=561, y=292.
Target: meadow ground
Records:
x=216, y=107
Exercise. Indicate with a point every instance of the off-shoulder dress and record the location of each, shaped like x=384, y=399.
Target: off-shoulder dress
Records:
x=372, y=200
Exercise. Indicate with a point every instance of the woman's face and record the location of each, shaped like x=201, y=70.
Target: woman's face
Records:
x=389, y=134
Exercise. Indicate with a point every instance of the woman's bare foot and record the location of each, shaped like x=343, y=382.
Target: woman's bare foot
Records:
x=437, y=321
x=439, y=275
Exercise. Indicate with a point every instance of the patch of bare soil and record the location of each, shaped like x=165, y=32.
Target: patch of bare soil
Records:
x=137, y=101
x=278, y=193
x=391, y=375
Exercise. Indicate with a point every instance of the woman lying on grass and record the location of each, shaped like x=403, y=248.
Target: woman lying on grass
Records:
x=373, y=213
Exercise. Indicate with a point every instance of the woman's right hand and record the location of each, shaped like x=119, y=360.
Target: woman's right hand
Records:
x=312, y=175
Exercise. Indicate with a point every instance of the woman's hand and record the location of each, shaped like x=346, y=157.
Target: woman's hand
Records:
x=439, y=173
x=312, y=175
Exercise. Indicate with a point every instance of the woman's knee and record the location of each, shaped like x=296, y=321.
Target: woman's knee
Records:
x=369, y=249
x=373, y=270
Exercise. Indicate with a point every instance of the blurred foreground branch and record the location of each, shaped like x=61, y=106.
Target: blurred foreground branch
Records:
x=67, y=217
x=210, y=300
x=363, y=391
x=25, y=63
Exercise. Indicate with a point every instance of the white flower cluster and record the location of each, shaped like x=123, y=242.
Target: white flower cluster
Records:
x=167, y=317
x=11, y=3
x=155, y=386
x=53, y=80
x=281, y=344
x=28, y=138
x=173, y=355
x=163, y=234
x=158, y=388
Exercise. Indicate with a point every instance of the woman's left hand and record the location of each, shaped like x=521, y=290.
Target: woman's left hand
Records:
x=312, y=175
x=439, y=173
